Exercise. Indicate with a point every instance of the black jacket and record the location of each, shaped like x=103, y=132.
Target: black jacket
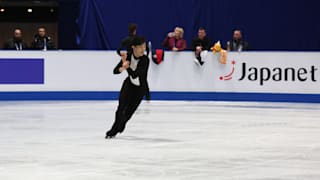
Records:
x=13, y=44
x=205, y=43
x=126, y=44
x=238, y=45
x=141, y=72
x=38, y=42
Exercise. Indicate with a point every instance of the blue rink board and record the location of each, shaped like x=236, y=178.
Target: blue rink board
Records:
x=21, y=71
x=180, y=96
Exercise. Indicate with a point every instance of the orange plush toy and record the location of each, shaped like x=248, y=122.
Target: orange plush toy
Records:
x=223, y=53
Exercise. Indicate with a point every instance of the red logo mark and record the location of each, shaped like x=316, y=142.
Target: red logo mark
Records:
x=229, y=76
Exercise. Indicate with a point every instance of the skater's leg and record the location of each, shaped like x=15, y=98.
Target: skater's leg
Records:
x=135, y=101
x=120, y=115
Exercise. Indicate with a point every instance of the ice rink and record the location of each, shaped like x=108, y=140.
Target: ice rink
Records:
x=167, y=140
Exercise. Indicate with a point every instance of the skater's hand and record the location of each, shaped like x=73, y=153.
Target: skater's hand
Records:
x=125, y=64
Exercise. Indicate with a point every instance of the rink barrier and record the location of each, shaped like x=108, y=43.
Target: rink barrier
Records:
x=170, y=96
x=87, y=75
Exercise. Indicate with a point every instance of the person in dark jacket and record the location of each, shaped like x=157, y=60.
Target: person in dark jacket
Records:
x=200, y=44
x=134, y=87
x=16, y=42
x=237, y=43
x=125, y=46
x=127, y=41
x=41, y=41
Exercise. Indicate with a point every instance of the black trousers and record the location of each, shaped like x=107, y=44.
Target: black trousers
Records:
x=129, y=100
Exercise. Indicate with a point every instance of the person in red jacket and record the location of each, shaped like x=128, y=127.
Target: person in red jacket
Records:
x=174, y=40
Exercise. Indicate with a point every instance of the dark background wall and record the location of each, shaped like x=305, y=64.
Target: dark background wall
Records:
x=266, y=25
x=67, y=20
x=29, y=30
x=14, y=14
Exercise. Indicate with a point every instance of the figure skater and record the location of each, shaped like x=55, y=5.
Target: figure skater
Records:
x=134, y=87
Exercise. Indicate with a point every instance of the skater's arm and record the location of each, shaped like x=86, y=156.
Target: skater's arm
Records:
x=121, y=67
x=116, y=70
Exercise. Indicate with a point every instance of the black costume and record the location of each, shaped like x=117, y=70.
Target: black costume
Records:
x=204, y=43
x=238, y=45
x=134, y=88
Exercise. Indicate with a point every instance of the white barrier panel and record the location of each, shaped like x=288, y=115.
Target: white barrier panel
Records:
x=70, y=71
x=251, y=72
x=274, y=72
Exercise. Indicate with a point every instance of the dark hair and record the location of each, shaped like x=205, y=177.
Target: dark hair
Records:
x=202, y=28
x=237, y=29
x=138, y=40
x=42, y=27
x=132, y=27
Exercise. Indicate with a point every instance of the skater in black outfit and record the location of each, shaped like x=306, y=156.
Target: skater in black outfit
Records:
x=134, y=87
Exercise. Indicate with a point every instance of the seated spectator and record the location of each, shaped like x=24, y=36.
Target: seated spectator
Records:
x=200, y=44
x=42, y=41
x=237, y=44
x=16, y=42
x=174, y=40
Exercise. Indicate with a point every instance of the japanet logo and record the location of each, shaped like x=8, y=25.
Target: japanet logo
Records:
x=275, y=74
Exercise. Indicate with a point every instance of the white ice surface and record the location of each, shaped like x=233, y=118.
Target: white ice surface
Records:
x=164, y=140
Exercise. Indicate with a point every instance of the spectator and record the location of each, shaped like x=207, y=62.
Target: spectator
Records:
x=200, y=44
x=42, y=41
x=16, y=42
x=237, y=44
x=174, y=40
x=127, y=41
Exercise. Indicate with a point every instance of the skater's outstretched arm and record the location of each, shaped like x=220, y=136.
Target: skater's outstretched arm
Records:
x=116, y=69
x=122, y=65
